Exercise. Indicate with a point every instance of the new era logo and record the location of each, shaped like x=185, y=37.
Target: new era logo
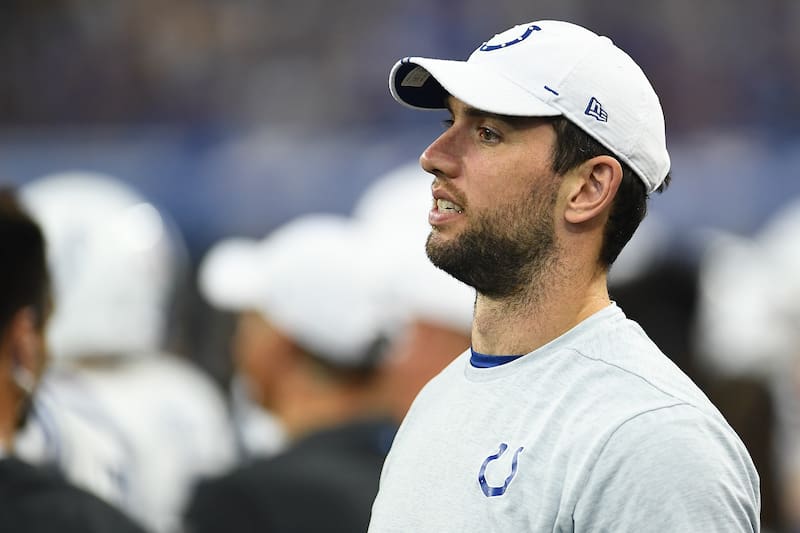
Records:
x=594, y=109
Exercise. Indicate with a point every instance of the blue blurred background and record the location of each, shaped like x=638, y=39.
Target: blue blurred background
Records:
x=236, y=115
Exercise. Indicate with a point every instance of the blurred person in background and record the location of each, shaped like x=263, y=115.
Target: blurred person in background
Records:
x=225, y=280
x=117, y=414
x=748, y=329
x=33, y=500
x=309, y=343
x=428, y=313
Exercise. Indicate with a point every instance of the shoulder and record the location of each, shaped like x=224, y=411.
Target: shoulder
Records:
x=35, y=499
x=274, y=492
x=347, y=455
x=228, y=501
x=679, y=432
x=15, y=473
x=677, y=467
x=616, y=354
x=329, y=460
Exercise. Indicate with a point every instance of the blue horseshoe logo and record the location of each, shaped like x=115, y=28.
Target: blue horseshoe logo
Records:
x=489, y=47
x=488, y=490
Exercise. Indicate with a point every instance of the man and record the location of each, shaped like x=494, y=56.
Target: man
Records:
x=116, y=413
x=308, y=344
x=32, y=500
x=563, y=416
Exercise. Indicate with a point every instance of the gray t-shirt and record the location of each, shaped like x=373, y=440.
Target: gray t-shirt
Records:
x=595, y=431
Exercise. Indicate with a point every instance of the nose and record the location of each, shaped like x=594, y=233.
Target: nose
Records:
x=440, y=157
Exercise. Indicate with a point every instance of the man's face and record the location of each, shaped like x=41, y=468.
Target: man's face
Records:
x=494, y=198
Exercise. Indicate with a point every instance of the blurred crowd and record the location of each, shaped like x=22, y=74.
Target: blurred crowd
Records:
x=238, y=115
x=250, y=61
x=184, y=382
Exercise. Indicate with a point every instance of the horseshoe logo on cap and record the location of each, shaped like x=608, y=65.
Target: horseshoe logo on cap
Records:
x=528, y=31
x=487, y=489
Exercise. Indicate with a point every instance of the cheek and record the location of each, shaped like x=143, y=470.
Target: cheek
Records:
x=253, y=359
x=496, y=182
x=250, y=348
x=497, y=207
x=249, y=359
x=487, y=197
x=254, y=355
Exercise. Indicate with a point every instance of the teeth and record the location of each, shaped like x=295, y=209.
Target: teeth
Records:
x=446, y=205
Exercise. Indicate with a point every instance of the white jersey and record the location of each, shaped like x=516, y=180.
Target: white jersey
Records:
x=138, y=432
x=596, y=431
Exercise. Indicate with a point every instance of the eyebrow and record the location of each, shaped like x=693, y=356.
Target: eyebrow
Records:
x=515, y=121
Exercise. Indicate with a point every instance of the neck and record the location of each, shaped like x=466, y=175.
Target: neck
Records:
x=547, y=309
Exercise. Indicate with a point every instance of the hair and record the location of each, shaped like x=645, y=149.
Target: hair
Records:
x=358, y=373
x=24, y=278
x=573, y=147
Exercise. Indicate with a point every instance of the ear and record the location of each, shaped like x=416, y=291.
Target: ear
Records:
x=593, y=189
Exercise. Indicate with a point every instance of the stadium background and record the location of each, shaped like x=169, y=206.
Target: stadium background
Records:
x=236, y=115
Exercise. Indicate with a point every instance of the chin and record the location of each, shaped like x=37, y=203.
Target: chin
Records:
x=436, y=240
x=443, y=233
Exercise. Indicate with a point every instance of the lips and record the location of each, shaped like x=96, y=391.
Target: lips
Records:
x=445, y=202
x=445, y=208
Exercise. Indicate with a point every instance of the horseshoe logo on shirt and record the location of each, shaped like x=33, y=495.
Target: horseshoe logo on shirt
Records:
x=487, y=489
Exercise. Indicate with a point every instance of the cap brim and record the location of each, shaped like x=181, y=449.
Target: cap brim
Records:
x=228, y=277
x=424, y=83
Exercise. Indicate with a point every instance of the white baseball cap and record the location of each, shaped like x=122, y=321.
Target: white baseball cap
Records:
x=309, y=279
x=551, y=68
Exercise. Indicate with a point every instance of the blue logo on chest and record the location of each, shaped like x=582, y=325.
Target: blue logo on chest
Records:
x=489, y=490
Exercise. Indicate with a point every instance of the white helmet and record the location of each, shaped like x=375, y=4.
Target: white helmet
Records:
x=113, y=257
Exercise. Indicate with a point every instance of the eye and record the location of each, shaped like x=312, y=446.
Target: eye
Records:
x=488, y=135
x=447, y=123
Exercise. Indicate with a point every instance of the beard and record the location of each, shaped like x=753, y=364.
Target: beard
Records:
x=504, y=252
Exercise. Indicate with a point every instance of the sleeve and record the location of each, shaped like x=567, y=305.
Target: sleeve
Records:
x=674, y=469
